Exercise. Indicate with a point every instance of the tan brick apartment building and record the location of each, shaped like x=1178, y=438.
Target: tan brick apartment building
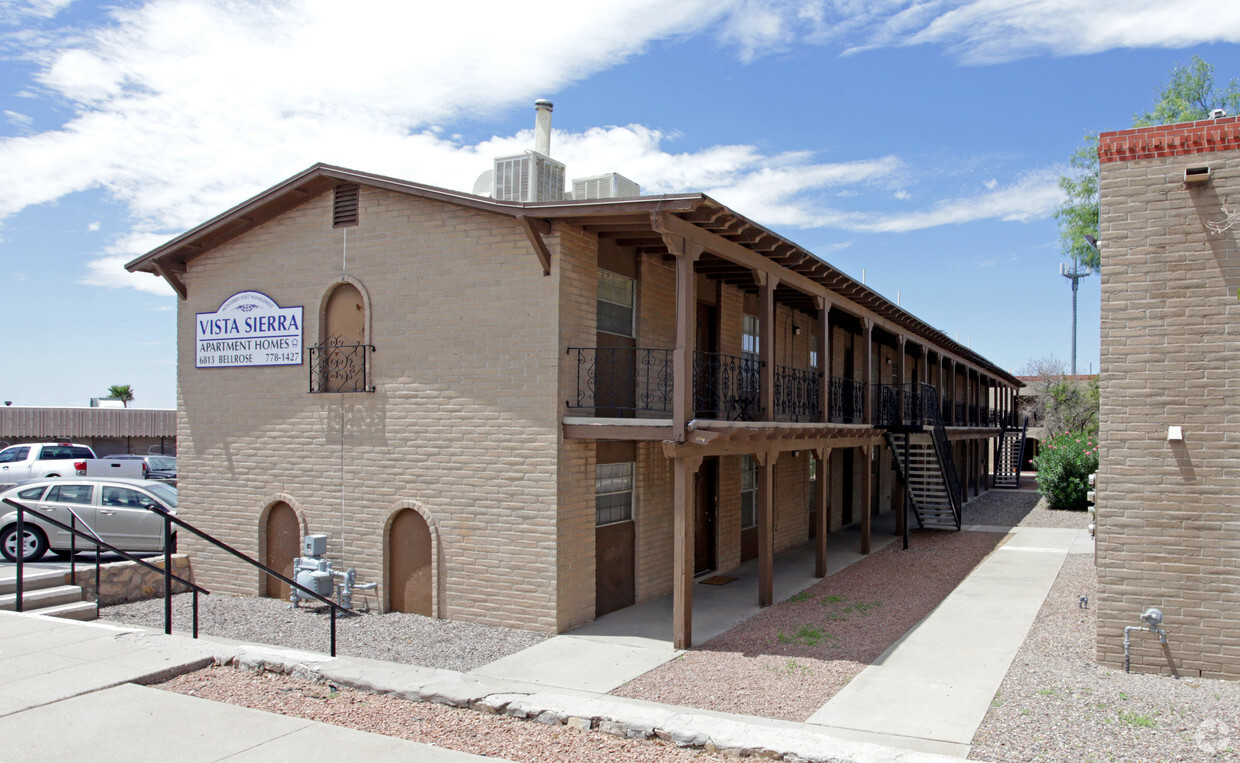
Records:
x=534, y=413
x=1169, y=501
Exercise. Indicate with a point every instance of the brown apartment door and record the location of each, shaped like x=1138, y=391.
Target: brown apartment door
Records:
x=615, y=534
x=706, y=516
x=847, y=475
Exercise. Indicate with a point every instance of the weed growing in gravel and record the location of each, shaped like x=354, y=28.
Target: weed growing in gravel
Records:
x=1133, y=719
x=832, y=599
x=807, y=634
x=800, y=597
x=1049, y=692
x=791, y=668
x=863, y=607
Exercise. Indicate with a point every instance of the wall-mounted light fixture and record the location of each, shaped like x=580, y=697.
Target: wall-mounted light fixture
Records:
x=1175, y=433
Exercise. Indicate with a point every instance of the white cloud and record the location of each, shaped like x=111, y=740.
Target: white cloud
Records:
x=18, y=119
x=991, y=184
x=993, y=31
x=902, y=195
x=94, y=226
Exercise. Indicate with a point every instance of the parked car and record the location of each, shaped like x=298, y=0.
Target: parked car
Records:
x=118, y=510
x=43, y=459
x=154, y=467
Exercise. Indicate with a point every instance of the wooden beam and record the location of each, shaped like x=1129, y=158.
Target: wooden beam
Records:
x=686, y=333
x=824, y=361
x=683, y=472
x=766, y=344
x=171, y=277
x=867, y=499
x=822, y=507
x=766, y=529
x=534, y=231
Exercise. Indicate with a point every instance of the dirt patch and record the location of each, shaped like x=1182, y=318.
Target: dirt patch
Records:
x=447, y=727
x=789, y=660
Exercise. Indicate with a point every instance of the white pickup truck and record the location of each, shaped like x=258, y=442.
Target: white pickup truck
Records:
x=37, y=460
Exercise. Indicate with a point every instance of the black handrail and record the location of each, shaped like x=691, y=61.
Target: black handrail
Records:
x=93, y=537
x=170, y=518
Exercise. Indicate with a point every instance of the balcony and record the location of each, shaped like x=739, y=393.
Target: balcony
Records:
x=339, y=367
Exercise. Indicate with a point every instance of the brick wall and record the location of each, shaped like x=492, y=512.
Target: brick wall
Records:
x=1169, y=512
x=464, y=421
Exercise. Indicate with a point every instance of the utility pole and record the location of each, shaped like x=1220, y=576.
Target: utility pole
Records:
x=1074, y=272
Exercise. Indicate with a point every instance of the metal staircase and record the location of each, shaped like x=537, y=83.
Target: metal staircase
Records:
x=913, y=421
x=1008, y=452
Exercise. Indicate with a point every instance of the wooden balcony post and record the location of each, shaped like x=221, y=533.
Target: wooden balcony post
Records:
x=766, y=344
x=686, y=335
x=822, y=505
x=824, y=361
x=766, y=527
x=683, y=471
x=867, y=498
x=867, y=372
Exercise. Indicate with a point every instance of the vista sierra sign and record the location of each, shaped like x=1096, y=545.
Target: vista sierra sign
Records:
x=249, y=329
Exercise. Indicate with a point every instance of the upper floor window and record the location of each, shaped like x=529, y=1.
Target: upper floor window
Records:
x=813, y=352
x=616, y=299
x=749, y=337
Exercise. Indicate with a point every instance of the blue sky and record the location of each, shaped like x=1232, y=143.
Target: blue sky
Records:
x=918, y=142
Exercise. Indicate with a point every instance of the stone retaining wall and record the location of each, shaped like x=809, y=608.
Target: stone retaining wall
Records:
x=127, y=581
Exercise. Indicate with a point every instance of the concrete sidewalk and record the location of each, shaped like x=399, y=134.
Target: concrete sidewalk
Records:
x=931, y=689
x=73, y=690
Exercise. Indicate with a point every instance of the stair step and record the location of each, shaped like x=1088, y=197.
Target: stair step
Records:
x=33, y=580
x=78, y=610
x=42, y=597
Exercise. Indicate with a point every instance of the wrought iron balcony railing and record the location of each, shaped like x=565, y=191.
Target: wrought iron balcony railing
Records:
x=620, y=381
x=847, y=401
x=727, y=387
x=336, y=366
x=796, y=394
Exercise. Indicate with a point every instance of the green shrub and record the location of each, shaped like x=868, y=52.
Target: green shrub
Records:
x=1064, y=464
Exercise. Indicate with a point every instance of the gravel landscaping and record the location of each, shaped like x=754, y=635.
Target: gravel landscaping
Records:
x=1009, y=508
x=1057, y=704
x=447, y=727
x=393, y=637
x=790, y=659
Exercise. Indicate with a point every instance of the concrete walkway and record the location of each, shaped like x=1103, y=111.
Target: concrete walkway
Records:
x=931, y=689
x=616, y=648
x=72, y=690
x=921, y=701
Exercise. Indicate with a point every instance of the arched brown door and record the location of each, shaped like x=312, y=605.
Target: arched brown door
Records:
x=283, y=545
x=409, y=567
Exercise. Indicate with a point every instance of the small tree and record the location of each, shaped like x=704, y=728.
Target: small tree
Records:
x=1058, y=402
x=122, y=392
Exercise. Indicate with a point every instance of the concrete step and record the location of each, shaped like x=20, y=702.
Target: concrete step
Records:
x=80, y=610
x=33, y=580
x=42, y=597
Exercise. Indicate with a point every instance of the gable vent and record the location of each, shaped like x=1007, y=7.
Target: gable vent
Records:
x=344, y=207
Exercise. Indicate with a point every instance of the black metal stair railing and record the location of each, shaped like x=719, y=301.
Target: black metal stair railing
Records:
x=622, y=381
x=727, y=387
x=914, y=407
x=796, y=394
x=169, y=521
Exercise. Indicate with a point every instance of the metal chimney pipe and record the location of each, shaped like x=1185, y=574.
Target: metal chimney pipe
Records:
x=542, y=127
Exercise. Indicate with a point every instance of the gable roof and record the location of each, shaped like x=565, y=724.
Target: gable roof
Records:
x=734, y=246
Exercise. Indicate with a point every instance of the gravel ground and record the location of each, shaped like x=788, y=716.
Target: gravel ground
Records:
x=393, y=637
x=1057, y=704
x=1010, y=508
x=789, y=660
x=452, y=728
